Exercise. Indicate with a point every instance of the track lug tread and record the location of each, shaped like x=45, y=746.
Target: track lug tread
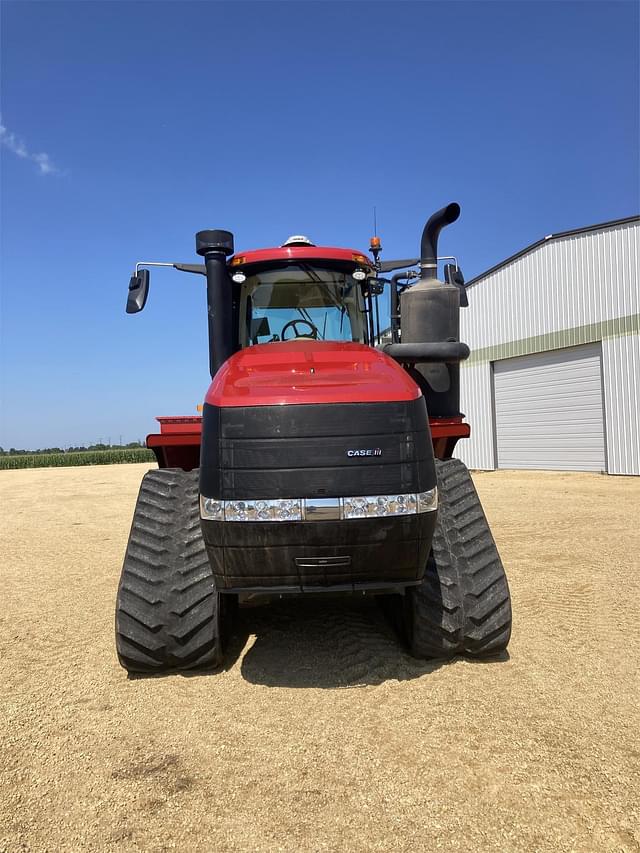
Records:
x=463, y=604
x=167, y=610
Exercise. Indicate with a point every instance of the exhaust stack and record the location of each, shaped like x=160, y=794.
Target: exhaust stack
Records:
x=430, y=234
x=430, y=313
x=214, y=247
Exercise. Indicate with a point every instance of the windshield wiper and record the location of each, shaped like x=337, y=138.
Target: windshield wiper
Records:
x=307, y=317
x=313, y=275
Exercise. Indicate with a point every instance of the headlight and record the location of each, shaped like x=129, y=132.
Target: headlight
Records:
x=428, y=501
x=211, y=508
x=266, y=510
x=262, y=510
x=379, y=505
x=295, y=509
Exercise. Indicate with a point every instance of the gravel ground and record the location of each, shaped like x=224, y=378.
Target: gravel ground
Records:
x=322, y=734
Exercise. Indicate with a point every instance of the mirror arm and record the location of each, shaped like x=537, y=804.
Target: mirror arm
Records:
x=195, y=268
x=389, y=266
x=449, y=258
x=150, y=264
x=199, y=269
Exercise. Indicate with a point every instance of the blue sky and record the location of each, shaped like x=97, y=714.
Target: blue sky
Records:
x=129, y=126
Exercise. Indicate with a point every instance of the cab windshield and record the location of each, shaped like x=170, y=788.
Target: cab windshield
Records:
x=302, y=300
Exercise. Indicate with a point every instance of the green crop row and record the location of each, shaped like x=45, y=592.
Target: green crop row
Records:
x=86, y=457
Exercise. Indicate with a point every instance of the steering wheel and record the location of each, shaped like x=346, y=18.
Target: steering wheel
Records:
x=293, y=324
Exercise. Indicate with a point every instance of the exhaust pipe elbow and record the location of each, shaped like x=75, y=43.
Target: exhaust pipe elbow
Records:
x=429, y=243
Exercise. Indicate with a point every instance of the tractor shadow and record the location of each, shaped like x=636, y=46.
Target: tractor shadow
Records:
x=322, y=643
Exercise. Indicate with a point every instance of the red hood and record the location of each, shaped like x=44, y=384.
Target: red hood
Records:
x=309, y=372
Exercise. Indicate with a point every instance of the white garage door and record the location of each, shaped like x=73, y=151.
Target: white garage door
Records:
x=549, y=410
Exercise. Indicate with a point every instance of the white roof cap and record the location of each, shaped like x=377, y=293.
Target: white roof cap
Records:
x=297, y=240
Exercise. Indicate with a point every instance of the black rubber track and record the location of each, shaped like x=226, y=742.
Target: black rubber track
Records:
x=463, y=605
x=167, y=609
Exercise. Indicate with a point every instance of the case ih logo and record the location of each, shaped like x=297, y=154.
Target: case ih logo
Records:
x=371, y=452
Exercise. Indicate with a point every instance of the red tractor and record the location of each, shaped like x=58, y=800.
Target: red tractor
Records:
x=322, y=461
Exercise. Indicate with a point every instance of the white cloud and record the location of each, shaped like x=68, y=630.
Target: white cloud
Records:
x=17, y=146
x=44, y=164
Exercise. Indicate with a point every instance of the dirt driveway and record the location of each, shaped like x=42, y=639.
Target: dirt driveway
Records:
x=322, y=734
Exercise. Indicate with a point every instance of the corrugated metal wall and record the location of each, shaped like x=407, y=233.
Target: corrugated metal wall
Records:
x=475, y=402
x=621, y=379
x=570, y=291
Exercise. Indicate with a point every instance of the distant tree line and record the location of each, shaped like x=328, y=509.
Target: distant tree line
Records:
x=81, y=449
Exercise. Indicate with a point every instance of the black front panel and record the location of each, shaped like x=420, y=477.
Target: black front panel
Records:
x=308, y=450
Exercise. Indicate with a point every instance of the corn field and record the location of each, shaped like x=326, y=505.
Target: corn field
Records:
x=85, y=457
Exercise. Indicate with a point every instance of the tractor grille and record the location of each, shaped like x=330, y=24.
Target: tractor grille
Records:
x=316, y=450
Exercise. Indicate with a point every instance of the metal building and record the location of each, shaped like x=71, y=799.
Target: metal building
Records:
x=554, y=374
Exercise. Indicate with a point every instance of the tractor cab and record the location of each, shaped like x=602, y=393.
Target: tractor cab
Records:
x=289, y=293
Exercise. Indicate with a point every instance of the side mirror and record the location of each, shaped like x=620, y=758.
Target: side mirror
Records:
x=138, y=291
x=453, y=276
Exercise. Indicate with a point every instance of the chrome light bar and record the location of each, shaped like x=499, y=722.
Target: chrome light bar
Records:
x=319, y=509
